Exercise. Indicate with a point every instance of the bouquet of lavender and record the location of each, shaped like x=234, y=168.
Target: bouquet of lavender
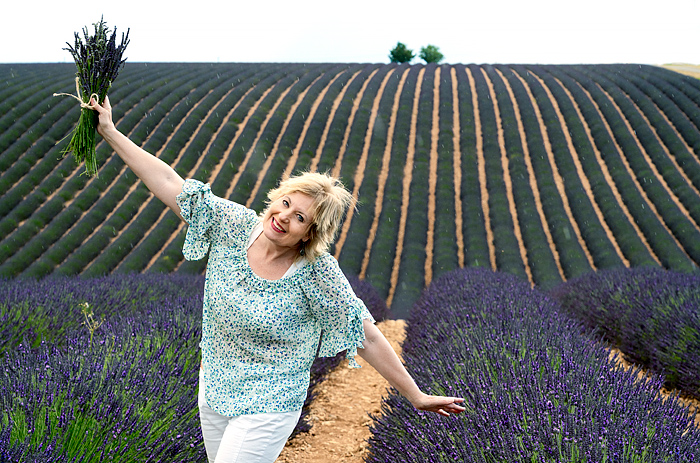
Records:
x=99, y=60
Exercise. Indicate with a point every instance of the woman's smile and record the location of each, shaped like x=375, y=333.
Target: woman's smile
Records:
x=276, y=226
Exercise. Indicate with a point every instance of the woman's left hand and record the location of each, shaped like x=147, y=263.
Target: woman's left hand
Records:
x=444, y=406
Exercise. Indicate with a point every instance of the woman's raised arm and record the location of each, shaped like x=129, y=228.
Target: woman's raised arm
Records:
x=158, y=176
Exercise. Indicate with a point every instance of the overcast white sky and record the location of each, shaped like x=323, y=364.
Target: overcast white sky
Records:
x=466, y=31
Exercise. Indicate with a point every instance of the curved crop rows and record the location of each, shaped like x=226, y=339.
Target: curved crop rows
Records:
x=547, y=172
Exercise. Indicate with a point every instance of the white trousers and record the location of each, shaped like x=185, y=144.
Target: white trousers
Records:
x=257, y=438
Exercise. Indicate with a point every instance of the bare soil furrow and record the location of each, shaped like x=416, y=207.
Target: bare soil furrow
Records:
x=432, y=179
x=632, y=176
x=254, y=146
x=184, y=149
x=239, y=131
x=672, y=195
x=348, y=127
x=457, y=167
x=608, y=178
x=312, y=112
x=581, y=173
x=663, y=145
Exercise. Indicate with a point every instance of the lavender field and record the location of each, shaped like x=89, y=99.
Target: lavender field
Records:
x=105, y=369
x=545, y=172
x=522, y=218
x=538, y=386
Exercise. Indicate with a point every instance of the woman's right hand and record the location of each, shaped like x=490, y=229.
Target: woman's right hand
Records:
x=105, y=123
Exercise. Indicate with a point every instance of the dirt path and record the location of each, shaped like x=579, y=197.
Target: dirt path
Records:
x=432, y=180
x=340, y=411
x=692, y=404
x=457, y=163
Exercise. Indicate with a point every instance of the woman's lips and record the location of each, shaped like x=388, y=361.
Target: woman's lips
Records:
x=275, y=226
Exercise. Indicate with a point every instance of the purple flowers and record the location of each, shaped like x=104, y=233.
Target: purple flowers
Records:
x=536, y=388
x=126, y=394
x=99, y=60
x=652, y=315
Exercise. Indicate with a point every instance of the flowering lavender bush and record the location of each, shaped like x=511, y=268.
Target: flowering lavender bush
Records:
x=652, y=315
x=107, y=369
x=536, y=388
x=123, y=391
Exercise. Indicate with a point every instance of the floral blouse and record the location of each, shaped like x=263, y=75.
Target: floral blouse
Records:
x=259, y=336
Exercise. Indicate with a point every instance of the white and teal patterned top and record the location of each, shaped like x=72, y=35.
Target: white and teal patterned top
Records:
x=259, y=336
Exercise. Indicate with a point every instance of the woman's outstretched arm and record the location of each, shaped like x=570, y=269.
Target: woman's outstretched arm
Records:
x=380, y=355
x=158, y=176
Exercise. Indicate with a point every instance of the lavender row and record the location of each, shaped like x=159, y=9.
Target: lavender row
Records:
x=537, y=389
x=124, y=390
x=120, y=385
x=652, y=315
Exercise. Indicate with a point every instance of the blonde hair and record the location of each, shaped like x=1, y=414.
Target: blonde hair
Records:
x=330, y=202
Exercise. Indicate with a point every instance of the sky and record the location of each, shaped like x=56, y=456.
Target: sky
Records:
x=364, y=31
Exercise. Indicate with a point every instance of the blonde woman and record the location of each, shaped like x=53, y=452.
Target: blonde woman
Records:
x=271, y=289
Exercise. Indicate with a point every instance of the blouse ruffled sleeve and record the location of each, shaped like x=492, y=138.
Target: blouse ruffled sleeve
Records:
x=198, y=207
x=338, y=310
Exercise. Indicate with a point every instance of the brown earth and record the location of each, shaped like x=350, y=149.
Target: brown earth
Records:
x=340, y=412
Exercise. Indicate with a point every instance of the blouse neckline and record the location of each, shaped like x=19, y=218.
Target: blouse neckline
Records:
x=255, y=232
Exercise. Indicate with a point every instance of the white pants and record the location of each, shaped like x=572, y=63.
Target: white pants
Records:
x=257, y=438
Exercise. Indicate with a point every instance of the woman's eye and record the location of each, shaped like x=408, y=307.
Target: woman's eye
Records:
x=285, y=202
x=300, y=217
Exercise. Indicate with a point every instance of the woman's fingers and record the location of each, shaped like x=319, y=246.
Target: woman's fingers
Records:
x=442, y=405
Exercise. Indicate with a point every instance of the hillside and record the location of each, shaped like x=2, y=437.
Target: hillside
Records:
x=546, y=172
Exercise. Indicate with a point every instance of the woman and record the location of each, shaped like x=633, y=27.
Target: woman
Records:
x=271, y=289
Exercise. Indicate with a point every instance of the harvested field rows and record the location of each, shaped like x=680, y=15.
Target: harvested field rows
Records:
x=547, y=172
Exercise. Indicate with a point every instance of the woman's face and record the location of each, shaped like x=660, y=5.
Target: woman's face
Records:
x=288, y=220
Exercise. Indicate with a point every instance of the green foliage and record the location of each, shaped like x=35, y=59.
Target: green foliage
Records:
x=431, y=54
x=401, y=54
